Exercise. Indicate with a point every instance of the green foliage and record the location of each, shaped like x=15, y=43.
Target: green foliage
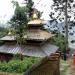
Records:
x=1, y=43
x=29, y=7
x=19, y=21
x=58, y=40
x=18, y=66
x=17, y=56
x=59, y=5
x=3, y=32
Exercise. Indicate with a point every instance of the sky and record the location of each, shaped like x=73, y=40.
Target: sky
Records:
x=7, y=10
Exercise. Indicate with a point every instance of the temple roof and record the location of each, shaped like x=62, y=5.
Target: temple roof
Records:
x=35, y=15
x=32, y=34
x=36, y=22
x=29, y=50
x=38, y=35
x=8, y=38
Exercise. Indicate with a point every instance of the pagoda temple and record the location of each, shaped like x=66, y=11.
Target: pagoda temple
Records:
x=37, y=44
x=35, y=34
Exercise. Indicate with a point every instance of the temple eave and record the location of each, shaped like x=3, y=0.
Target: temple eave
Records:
x=36, y=22
x=29, y=50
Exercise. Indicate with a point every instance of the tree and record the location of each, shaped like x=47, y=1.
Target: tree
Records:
x=29, y=5
x=63, y=7
x=30, y=9
x=19, y=21
x=21, y=17
x=19, y=24
x=59, y=41
x=59, y=7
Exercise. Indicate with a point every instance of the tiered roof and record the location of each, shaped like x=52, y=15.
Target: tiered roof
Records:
x=36, y=22
x=37, y=34
x=29, y=50
x=8, y=37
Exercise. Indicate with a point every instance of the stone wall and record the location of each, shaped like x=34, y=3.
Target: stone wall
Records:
x=47, y=66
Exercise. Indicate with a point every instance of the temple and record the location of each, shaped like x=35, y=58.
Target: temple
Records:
x=37, y=41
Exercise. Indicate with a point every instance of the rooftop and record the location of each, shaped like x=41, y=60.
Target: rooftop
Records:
x=36, y=22
x=8, y=38
x=38, y=35
x=29, y=50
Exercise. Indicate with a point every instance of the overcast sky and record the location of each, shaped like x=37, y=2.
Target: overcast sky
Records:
x=6, y=8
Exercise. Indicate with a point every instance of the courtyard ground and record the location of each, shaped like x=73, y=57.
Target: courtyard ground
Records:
x=5, y=73
x=67, y=67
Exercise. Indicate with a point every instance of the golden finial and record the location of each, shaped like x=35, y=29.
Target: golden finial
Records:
x=35, y=14
x=9, y=33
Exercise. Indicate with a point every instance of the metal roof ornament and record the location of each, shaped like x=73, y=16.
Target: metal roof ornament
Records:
x=9, y=33
x=35, y=14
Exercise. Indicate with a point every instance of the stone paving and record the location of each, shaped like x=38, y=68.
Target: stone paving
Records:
x=66, y=67
x=71, y=71
x=6, y=73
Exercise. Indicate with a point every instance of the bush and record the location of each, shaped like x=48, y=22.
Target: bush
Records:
x=17, y=56
x=18, y=66
x=58, y=40
x=1, y=43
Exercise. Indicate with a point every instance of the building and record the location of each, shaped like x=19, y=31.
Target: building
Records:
x=37, y=45
x=37, y=41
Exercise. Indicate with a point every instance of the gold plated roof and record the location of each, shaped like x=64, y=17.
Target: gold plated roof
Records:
x=38, y=35
x=36, y=22
x=35, y=16
x=9, y=33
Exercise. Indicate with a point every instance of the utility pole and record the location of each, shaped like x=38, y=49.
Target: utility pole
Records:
x=66, y=25
x=66, y=29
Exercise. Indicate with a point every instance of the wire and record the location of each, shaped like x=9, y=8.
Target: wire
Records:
x=37, y=3
x=41, y=5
